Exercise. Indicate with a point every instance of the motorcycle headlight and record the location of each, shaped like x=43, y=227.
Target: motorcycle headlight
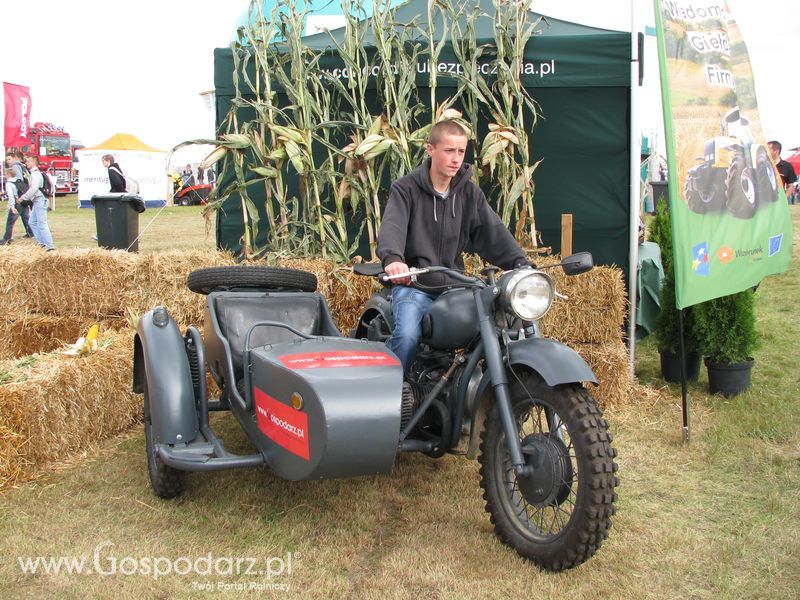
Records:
x=527, y=293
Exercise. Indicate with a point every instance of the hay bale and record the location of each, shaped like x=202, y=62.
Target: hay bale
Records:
x=52, y=405
x=27, y=333
x=609, y=362
x=159, y=278
x=595, y=311
x=349, y=294
x=72, y=282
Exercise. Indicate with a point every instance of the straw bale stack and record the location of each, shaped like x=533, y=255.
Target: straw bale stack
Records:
x=349, y=293
x=160, y=279
x=52, y=405
x=595, y=310
x=609, y=361
x=80, y=283
x=24, y=333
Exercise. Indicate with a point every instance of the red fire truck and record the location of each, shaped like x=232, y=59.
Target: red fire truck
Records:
x=53, y=147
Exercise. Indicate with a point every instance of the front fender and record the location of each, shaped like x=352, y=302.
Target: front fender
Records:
x=557, y=363
x=160, y=363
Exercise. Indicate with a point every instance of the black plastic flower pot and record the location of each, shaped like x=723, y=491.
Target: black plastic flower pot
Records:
x=729, y=379
x=671, y=366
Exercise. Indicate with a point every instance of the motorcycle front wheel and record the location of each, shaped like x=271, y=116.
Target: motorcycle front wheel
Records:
x=559, y=516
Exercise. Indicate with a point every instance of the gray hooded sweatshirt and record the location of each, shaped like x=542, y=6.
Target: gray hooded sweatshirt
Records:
x=421, y=228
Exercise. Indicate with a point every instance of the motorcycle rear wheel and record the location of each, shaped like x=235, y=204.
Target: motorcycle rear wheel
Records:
x=558, y=517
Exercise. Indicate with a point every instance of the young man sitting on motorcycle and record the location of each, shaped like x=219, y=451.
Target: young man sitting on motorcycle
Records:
x=432, y=214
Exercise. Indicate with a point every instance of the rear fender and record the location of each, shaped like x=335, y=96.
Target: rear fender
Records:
x=160, y=363
x=379, y=304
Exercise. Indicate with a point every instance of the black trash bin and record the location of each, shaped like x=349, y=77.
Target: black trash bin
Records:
x=660, y=192
x=117, y=219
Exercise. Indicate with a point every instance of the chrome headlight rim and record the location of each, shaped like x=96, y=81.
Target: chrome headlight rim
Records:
x=515, y=285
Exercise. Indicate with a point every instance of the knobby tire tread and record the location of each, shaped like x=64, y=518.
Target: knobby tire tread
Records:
x=591, y=519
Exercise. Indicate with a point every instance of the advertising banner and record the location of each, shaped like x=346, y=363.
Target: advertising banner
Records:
x=16, y=128
x=730, y=219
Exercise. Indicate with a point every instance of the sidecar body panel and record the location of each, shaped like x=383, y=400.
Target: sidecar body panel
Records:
x=326, y=407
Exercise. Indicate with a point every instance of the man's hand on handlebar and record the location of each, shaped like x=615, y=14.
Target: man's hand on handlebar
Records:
x=396, y=268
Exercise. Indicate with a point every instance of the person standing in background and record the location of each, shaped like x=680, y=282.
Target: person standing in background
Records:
x=187, y=177
x=788, y=176
x=115, y=176
x=13, y=207
x=38, y=220
x=14, y=161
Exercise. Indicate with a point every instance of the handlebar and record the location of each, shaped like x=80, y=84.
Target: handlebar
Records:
x=376, y=270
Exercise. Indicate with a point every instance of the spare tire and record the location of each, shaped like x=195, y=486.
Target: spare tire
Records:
x=204, y=281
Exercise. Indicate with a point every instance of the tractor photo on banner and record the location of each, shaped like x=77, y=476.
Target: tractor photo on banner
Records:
x=731, y=223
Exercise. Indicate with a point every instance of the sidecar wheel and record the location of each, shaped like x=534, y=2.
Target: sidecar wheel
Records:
x=204, y=281
x=167, y=482
x=559, y=516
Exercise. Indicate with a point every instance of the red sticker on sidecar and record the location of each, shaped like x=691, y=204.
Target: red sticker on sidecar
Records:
x=282, y=424
x=337, y=359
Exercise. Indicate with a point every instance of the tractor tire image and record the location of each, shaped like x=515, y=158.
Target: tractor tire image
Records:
x=559, y=515
x=166, y=481
x=204, y=281
x=766, y=178
x=741, y=183
x=704, y=190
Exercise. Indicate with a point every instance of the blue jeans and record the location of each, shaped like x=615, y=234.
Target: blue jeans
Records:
x=38, y=222
x=409, y=305
x=11, y=219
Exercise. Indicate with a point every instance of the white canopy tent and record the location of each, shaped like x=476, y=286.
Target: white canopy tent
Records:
x=144, y=163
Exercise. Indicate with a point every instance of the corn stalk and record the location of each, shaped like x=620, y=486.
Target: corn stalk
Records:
x=327, y=114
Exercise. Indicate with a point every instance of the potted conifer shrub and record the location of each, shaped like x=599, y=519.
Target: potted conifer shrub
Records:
x=726, y=332
x=667, y=331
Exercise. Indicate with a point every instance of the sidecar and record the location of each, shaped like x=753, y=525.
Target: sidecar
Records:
x=314, y=404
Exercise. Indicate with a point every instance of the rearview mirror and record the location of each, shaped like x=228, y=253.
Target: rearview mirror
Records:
x=578, y=263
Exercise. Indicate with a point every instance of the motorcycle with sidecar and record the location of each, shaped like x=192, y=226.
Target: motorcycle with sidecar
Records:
x=316, y=404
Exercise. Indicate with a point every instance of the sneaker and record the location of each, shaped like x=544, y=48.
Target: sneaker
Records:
x=27, y=236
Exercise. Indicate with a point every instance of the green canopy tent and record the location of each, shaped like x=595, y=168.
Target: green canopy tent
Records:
x=580, y=77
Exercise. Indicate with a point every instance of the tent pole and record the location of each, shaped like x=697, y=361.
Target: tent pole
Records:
x=635, y=152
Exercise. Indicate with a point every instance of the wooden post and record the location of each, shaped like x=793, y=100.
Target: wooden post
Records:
x=566, y=235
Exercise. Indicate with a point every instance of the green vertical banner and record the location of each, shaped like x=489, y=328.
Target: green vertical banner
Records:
x=730, y=220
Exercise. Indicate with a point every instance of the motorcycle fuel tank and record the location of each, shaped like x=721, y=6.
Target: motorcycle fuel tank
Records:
x=327, y=407
x=452, y=321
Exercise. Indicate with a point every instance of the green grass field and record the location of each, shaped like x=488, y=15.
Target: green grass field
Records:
x=170, y=228
x=716, y=518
